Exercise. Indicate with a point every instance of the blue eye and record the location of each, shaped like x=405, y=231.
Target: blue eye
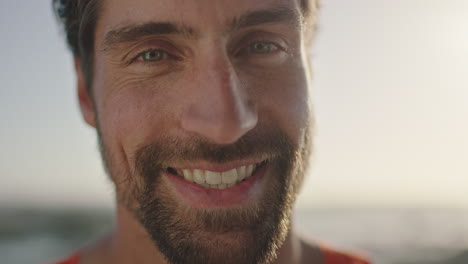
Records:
x=262, y=47
x=153, y=55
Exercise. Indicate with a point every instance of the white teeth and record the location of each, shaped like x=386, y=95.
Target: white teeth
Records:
x=217, y=180
x=212, y=177
x=249, y=170
x=187, y=175
x=241, y=173
x=229, y=176
x=198, y=176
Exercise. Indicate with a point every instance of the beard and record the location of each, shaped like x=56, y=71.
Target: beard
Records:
x=247, y=234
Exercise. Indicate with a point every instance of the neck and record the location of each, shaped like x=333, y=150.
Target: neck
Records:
x=130, y=243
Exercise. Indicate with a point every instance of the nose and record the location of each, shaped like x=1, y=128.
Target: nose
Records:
x=220, y=109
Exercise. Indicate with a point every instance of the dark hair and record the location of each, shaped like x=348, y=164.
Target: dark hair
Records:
x=79, y=17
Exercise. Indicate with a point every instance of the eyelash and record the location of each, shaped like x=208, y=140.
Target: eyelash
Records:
x=250, y=45
x=239, y=52
x=141, y=54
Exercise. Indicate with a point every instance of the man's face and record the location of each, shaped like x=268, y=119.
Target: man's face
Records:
x=203, y=113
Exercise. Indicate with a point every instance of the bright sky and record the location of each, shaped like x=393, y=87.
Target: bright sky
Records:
x=390, y=93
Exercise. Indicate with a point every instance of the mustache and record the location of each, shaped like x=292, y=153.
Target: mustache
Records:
x=266, y=143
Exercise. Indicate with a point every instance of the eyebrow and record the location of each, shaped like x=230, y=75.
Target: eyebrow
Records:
x=267, y=16
x=254, y=18
x=135, y=32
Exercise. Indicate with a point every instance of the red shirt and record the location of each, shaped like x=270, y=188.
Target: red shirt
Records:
x=73, y=259
x=330, y=257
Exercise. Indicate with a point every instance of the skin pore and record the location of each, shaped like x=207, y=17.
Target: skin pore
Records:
x=209, y=85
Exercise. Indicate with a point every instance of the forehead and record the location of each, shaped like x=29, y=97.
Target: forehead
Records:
x=200, y=14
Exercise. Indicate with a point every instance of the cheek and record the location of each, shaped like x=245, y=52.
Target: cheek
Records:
x=283, y=98
x=132, y=113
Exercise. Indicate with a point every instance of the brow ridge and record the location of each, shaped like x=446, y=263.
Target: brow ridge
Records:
x=266, y=16
x=134, y=32
x=250, y=19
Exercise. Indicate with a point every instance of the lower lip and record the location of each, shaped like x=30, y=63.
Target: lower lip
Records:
x=200, y=197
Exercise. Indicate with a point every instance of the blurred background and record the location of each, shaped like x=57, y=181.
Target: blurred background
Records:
x=390, y=173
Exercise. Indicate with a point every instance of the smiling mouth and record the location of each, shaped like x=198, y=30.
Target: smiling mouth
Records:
x=217, y=180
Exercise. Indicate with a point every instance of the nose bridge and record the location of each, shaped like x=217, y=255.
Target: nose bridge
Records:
x=223, y=85
x=220, y=109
